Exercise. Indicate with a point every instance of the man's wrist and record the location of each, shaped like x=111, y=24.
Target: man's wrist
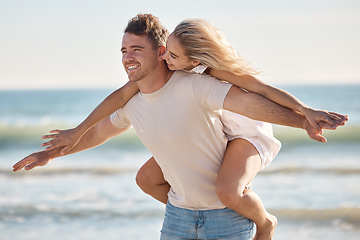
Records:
x=303, y=123
x=53, y=153
x=81, y=129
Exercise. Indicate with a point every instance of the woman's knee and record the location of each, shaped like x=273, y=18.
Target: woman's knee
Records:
x=149, y=176
x=142, y=179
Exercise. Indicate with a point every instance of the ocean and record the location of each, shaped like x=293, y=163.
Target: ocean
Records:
x=313, y=188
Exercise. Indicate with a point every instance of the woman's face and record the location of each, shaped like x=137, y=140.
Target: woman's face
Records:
x=175, y=56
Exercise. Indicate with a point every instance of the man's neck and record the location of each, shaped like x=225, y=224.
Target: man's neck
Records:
x=155, y=80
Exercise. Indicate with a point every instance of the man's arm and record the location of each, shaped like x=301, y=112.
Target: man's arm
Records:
x=97, y=135
x=70, y=137
x=260, y=108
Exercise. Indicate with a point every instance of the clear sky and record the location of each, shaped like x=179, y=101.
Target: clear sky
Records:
x=75, y=43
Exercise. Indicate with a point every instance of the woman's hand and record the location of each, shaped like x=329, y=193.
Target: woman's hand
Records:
x=62, y=138
x=314, y=117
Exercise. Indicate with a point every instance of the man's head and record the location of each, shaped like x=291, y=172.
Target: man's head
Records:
x=149, y=25
x=142, y=46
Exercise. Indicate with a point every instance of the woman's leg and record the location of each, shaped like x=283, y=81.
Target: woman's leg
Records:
x=151, y=180
x=240, y=165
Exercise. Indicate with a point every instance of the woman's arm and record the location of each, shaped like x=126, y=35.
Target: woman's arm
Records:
x=69, y=138
x=252, y=84
x=258, y=107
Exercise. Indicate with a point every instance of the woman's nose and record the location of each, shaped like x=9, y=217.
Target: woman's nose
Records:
x=165, y=55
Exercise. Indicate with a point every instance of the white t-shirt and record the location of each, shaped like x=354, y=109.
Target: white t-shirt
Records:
x=180, y=125
x=200, y=69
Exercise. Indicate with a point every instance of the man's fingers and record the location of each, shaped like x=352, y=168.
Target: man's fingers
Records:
x=315, y=125
x=339, y=117
x=30, y=166
x=319, y=138
x=325, y=125
x=331, y=121
x=18, y=165
x=66, y=149
x=21, y=164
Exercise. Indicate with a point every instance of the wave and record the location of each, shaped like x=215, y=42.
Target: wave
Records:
x=27, y=211
x=25, y=135
x=294, y=170
x=348, y=214
x=74, y=170
x=104, y=170
x=347, y=133
x=32, y=136
x=345, y=214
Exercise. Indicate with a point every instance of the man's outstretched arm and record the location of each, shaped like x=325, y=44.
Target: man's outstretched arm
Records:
x=260, y=108
x=97, y=135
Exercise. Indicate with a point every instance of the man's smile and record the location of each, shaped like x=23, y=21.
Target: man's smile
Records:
x=132, y=67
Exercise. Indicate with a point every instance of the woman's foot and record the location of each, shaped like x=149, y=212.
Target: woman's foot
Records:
x=266, y=230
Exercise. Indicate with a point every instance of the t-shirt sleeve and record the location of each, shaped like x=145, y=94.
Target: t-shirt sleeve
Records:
x=118, y=119
x=210, y=92
x=200, y=69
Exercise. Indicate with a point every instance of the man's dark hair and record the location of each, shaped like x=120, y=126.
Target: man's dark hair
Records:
x=149, y=25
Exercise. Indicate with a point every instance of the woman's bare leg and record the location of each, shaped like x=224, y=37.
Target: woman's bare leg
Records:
x=240, y=165
x=151, y=180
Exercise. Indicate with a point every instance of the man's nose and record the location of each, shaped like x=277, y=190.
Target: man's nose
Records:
x=128, y=57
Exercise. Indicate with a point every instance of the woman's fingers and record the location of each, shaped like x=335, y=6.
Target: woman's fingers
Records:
x=50, y=136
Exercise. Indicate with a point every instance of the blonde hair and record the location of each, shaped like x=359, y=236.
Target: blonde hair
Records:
x=204, y=43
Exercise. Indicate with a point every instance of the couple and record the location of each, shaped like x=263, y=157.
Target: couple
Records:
x=205, y=157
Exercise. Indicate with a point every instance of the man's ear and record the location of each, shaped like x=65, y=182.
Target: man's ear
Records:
x=162, y=51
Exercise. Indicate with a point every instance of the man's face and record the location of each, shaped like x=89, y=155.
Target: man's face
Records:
x=138, y=56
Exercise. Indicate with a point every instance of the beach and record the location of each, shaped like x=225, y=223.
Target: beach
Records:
x=313, y=188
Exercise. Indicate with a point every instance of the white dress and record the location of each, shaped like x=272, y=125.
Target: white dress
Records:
x=259, y=134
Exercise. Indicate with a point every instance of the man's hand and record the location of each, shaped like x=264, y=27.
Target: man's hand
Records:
x=92, y=138
x=316, y=116
x=317, y=135
x=33, y=160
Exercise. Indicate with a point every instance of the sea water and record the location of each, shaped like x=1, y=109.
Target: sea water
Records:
x=313, y=188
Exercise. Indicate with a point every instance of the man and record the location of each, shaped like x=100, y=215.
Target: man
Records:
x=176, y=116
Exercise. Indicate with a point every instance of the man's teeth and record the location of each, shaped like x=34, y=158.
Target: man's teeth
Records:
x=132, y=67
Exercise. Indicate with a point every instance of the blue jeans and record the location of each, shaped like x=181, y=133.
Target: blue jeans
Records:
x=224, y=223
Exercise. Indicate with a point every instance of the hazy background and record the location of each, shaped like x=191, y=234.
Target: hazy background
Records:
x=309, y=48
x=75, y=44
x=312, y=188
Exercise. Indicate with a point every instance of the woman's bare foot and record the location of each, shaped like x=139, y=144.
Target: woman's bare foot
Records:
x=266, y=231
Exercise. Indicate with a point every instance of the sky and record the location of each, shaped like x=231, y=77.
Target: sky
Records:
x=51, y=44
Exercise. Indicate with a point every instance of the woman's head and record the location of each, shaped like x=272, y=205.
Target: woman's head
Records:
x=175, y=56
x=201, y=43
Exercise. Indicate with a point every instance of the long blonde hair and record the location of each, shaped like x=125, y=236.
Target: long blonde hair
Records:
x=204, y=43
